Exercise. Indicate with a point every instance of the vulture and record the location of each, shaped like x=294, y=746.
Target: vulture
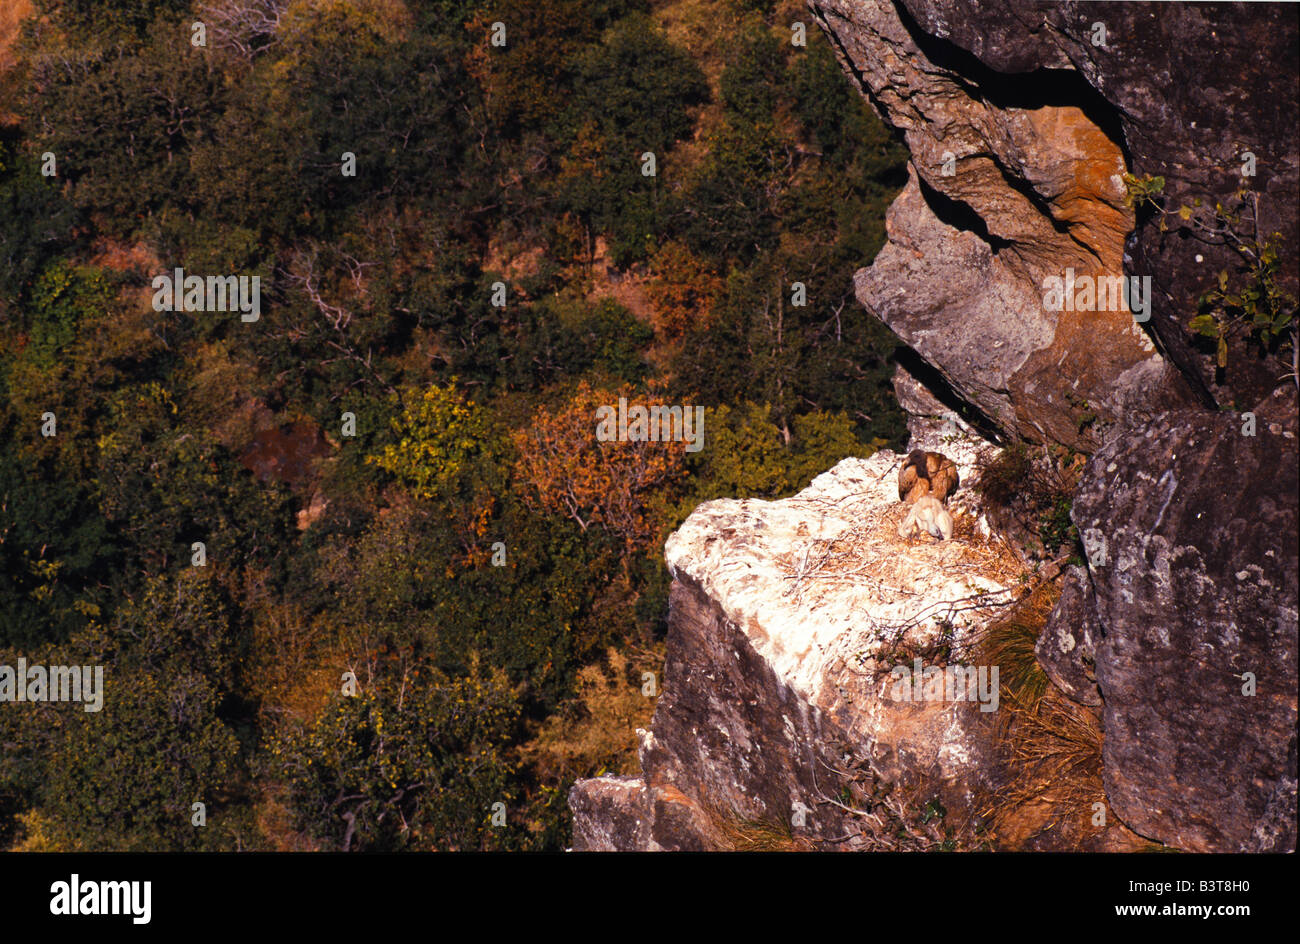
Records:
x=927, y=473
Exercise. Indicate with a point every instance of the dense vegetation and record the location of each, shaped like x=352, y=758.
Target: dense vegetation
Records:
x=428, y=588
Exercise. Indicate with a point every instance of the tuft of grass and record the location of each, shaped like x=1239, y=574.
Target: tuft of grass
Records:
x=1052, y=744
x=1055, y=749
x=1009, y=643
x=1002, y=476
x=743, y=835
x=1010, y=646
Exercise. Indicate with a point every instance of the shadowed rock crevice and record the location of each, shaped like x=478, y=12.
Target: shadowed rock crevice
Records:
x=930, y=385
x=1029, y=89
x=960, y=216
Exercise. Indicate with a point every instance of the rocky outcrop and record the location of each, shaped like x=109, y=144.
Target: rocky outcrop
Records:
x=1180, y=627
x=1067, y=649
x=1011, y=182
x=1020, y=128
x=1013, y=111
x=1190, y=530
x=612, y=814
x=1186, y=89
x=778, y=709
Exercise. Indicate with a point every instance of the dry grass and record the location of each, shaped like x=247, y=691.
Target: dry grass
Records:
x=1054, y=750
x=1008, y=642
x=737, y=835
x=1051, y=746
x=595, y=731
x=730, y=831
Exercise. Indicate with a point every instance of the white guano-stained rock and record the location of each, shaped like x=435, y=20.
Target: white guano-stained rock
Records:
x=785, y=619
x=821, y=582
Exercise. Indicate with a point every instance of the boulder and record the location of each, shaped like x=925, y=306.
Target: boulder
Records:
x=1190, y=532
x=777, y=712
x=1067, y=649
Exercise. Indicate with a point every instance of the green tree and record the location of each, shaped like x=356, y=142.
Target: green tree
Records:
x=754, y=75
x=165, y=486
x=125, y=778
x=445, y=447
x=35, y=223
x=748, y=457
x=412, y=762
x=59, y=299
x=122, y=122
x=55, y=548
x=633, y=94
x=120, y=19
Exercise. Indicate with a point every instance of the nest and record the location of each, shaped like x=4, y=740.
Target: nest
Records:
x=870, y=554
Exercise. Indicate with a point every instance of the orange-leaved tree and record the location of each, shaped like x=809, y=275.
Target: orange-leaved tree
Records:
x=618, y=486
x=684, y=291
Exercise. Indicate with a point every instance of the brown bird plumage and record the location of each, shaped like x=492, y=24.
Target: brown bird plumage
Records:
x=927, y=473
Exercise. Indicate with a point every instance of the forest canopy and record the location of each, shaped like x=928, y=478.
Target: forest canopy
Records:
x=427, y=593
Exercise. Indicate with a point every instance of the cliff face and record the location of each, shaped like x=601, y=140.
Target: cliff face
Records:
x=1188, y=89
x=782, y=615
x=1180, y=632
x=1190, y=534
x=1035, y=111
x=1012, y=180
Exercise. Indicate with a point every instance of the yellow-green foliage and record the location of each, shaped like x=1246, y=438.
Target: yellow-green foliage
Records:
x=1257, y=306
x=441, y=440
x=365, y=26
x=749, y=457
x=62, y=296
x=595, y=732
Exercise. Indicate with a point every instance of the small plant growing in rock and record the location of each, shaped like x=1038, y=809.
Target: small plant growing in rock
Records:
x=1086, y=417
x=1055, y=527
x=932, y=810
x=1254, y=305
x=1002, y=477
x=1142, y=191
x=1029, y=493
x=1260, y=307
